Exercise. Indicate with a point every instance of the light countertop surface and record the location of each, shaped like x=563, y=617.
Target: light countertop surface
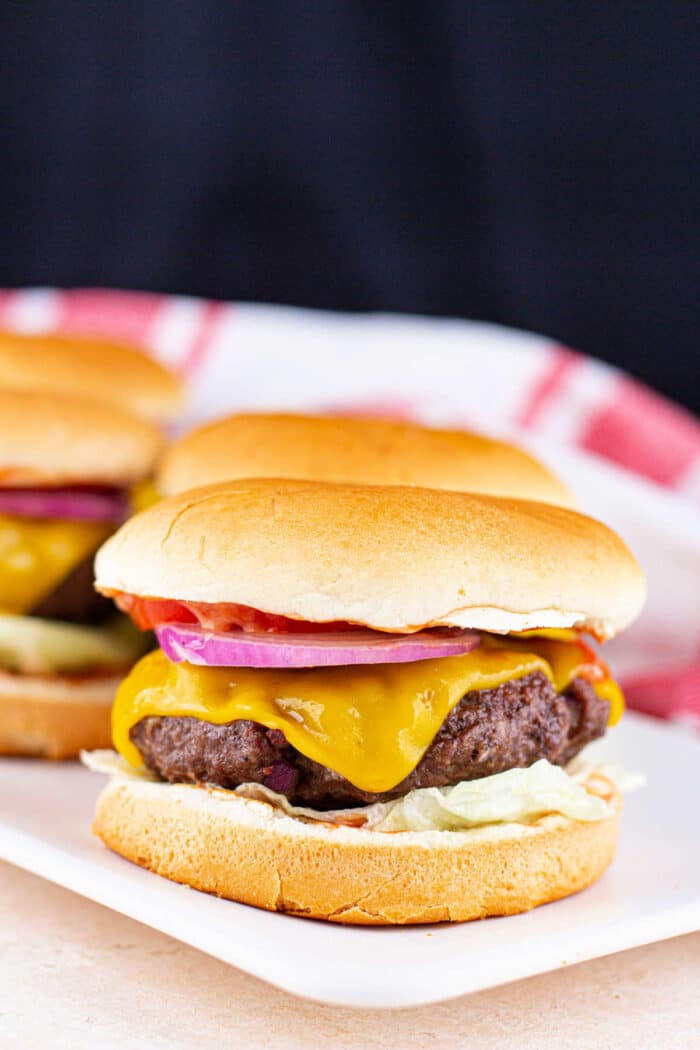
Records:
x=75, y=974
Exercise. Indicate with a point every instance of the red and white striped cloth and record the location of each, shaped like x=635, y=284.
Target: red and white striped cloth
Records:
x=459, y=373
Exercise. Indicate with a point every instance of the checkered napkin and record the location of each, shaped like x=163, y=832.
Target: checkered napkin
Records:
x=457, y=373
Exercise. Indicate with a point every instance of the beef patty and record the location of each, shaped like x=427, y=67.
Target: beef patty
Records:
x=488, y=731
x=75, y=600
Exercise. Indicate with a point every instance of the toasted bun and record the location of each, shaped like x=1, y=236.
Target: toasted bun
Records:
x=54, y=717
x=249, y=851
x=389, y=558
x=373, y=452
x=50, y=440
x=94, y=369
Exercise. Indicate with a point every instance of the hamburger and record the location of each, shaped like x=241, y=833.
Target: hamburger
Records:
x=94, y=369
x=366, y=699
x=67, y=466
x=354, y=451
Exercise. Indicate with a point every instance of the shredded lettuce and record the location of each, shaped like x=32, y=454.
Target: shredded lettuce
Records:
x=517, y=796
x=32, y=645
x=625, y=780
x=112, y=764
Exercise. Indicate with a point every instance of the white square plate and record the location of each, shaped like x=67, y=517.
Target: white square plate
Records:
x=652, y=891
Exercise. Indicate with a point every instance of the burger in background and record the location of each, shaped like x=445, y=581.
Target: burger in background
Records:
x=68, y=466
x=366, y=698
x=329, y=448
x=93, y=369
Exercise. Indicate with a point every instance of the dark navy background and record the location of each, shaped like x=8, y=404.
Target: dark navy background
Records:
x=531, y=163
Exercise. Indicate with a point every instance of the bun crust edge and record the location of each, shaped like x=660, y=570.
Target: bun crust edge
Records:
x=99, y=370
x=390, y=558
x=42, y=717
x=57, y=439
x=355, y=451
x=247, y=851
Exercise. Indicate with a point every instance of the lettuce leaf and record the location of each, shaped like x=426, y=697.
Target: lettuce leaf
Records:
x=112, y=764
x=518, y=796
x=32, y=645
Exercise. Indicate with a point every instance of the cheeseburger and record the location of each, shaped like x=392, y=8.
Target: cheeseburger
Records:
x=362, y=451
x=366, y=698
x=93, y=369
x=66, y=467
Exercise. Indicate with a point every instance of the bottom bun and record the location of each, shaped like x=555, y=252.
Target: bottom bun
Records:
x=50, y=716
x=251, y=852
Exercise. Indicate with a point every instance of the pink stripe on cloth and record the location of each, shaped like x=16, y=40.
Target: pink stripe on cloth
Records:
x=673, y=694
x=126, y=316
x=6, y=299
x=404, y=411
x=560, y=364
x=196, y=356
x=644, y=432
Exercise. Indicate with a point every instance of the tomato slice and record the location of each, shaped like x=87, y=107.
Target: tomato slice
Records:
x=149, y=613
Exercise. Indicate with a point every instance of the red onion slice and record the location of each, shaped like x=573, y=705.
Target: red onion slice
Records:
x=64, y=503
x=196, y=645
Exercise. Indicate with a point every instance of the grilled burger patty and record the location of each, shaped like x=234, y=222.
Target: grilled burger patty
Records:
x=75, y=599
x=488, y=731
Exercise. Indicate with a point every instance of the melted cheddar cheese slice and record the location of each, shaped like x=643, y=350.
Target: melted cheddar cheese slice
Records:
x=142, y=495
x=371, y=724
x=36, y=554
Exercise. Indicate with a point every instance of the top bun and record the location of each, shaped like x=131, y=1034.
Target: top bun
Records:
x=354, y=451
x=391, y=558
x=90, y=368
x=49, y=440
